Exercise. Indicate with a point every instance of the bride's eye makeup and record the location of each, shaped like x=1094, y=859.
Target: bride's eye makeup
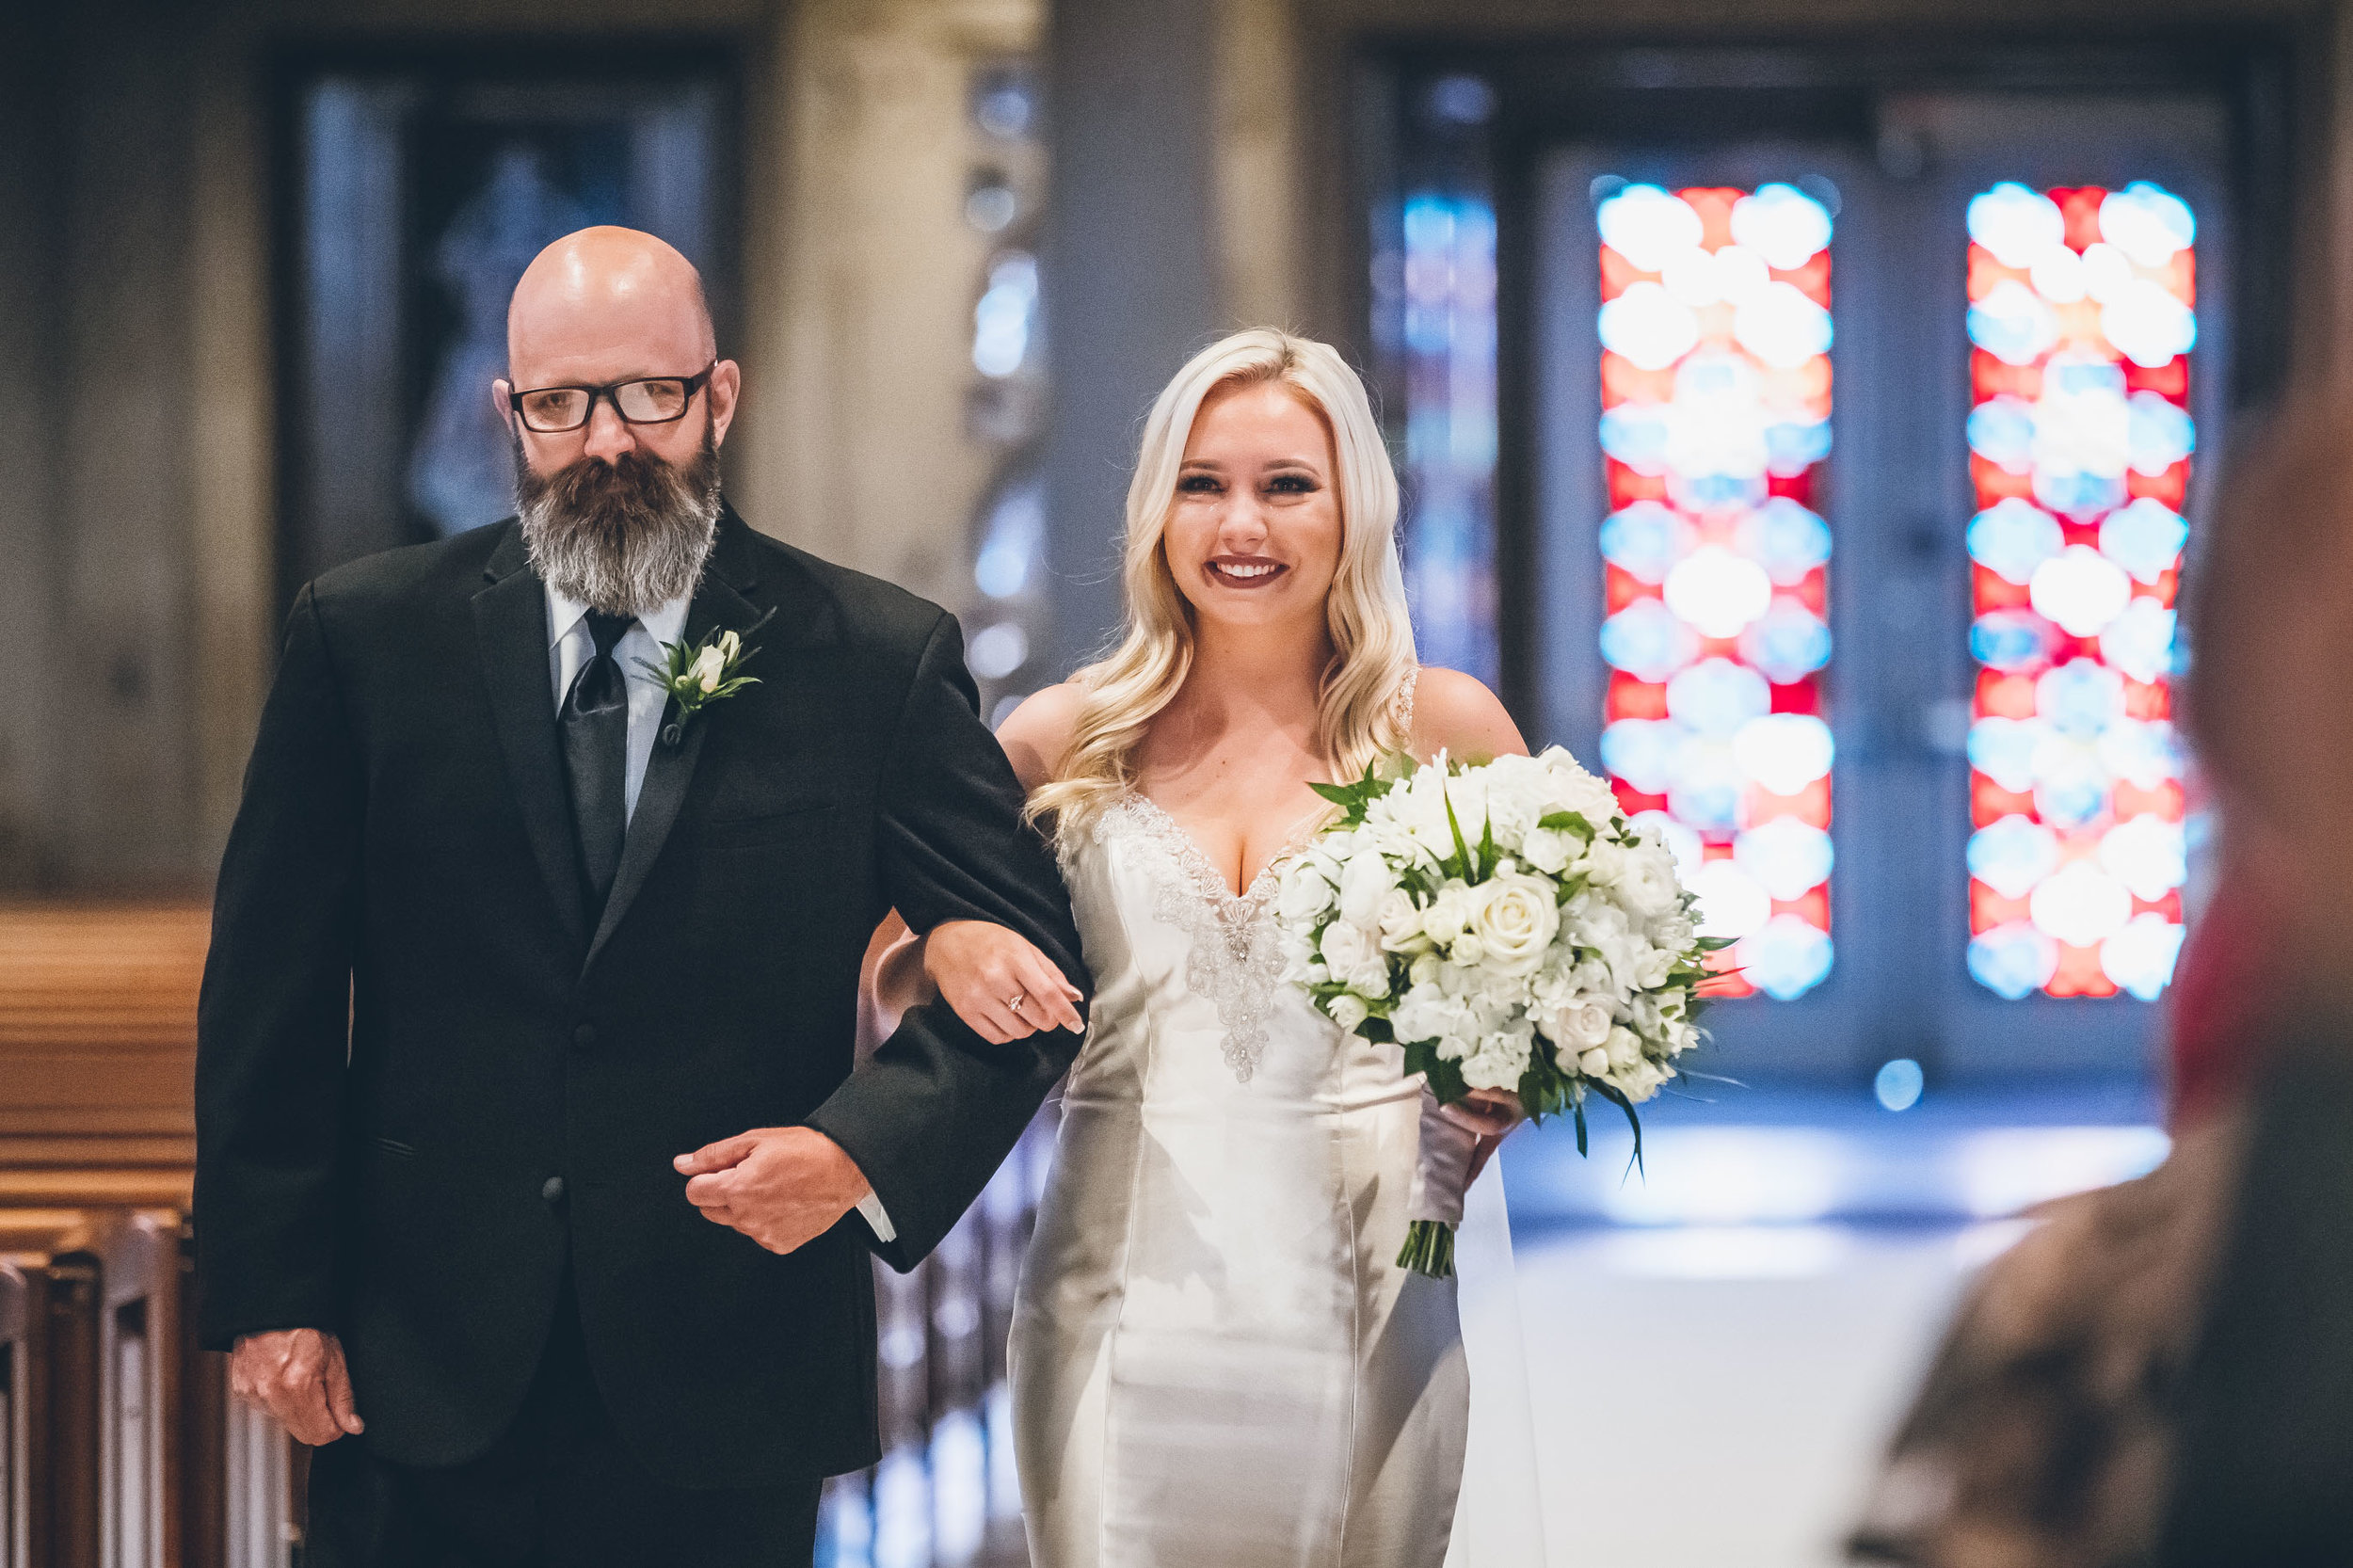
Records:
x=1199, y=483
x=1294, y=483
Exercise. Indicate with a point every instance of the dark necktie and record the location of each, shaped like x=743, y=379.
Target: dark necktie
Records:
x=594, y=727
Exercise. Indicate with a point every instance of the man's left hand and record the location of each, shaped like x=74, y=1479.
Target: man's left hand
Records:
x=781, y=1186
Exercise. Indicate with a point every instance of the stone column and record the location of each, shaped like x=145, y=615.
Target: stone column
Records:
x=1131, y=270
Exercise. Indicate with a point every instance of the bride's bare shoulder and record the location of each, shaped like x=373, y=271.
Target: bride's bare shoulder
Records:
x=1036, y=735
x=1456, y=714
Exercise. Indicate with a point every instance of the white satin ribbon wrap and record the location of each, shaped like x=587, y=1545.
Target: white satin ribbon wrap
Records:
x=1442, y=1173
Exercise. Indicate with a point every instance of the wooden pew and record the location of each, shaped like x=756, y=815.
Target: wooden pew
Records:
x=98, y=1051
x=16, y=1475
x=139, y=1388
x=53, y=1254
x=197, y=1459
x=137, y=1455
x=264, y=1500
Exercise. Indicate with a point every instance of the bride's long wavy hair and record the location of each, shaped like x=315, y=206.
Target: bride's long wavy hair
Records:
x=1359, y=714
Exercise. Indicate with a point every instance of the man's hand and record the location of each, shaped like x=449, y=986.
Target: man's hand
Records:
x=998, y=981
x=781, y=1186
x=298, y=1376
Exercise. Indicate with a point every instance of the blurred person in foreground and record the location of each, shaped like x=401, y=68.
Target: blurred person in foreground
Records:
x=2162, y=1371
x=2263, y=1456
x=534, y=1178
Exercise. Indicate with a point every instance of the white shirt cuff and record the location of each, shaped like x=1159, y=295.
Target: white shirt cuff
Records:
x=871, y=1208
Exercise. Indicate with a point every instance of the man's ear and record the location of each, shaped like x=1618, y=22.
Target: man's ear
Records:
x=502, y=399
x=725, y=387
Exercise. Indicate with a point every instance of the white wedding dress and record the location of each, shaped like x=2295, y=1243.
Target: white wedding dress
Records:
x=1216, y=1360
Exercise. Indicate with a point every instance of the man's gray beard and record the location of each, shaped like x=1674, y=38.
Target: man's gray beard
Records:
x=625, y=537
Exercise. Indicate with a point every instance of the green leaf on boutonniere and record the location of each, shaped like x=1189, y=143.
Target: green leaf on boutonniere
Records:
x=710, y=671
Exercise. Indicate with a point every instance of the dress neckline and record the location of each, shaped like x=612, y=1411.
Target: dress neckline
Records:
x=1204, y=871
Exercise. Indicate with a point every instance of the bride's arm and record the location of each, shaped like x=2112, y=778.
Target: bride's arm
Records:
x=1456, y=714
x=897, y=981
x=1037, y=734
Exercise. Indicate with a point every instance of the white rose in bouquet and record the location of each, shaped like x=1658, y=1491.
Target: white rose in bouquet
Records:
x=1645, y=1079
x=1577, y=1025
x=1303, y=893
x=1602, y=863
x=1345, y=945
x=1510, y=929
x=1400, y=923
x=1514, y=919
x=1646, y=882
x=1366, y=881
x=1447, y=915
x=1570, y=788
x=1550, y=850
x=1355, y=959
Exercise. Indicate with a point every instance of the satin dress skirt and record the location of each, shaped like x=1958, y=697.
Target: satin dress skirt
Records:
x=1215, y=1358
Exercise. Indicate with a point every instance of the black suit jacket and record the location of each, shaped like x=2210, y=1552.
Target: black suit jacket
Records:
x=409, y=1027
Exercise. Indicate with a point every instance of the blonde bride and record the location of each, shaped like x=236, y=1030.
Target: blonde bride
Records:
x=1216, y=1359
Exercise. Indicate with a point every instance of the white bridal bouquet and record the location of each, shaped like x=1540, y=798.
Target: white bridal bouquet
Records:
x=1508, y=926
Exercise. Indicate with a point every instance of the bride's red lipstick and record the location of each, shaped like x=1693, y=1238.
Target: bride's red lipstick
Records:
x=1244, y=571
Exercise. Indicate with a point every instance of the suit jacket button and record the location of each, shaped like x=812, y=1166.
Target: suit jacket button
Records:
x=553, y=1189
x=584, y=1036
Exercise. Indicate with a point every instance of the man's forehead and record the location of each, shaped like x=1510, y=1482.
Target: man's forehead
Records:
x=637, y=337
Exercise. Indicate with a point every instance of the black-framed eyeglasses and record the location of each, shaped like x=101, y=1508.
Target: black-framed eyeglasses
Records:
x=648, y=400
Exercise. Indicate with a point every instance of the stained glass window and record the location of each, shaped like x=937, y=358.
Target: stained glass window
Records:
x=1715, y=421
x=2081, y=317
x=1449, y=332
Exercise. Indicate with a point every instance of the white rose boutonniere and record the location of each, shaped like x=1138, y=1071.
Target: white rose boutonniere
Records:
x=696, y=676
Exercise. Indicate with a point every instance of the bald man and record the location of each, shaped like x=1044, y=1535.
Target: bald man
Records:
x=535, y=1178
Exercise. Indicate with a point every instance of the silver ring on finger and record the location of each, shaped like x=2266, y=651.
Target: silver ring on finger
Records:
x=1013, y=1006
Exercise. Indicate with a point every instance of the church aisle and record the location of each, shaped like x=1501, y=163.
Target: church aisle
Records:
x=1718, y=1396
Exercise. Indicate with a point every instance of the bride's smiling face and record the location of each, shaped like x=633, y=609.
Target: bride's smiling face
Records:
x=1253, y=536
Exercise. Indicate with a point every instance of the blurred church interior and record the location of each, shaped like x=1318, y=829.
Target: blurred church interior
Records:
x=1901, y=699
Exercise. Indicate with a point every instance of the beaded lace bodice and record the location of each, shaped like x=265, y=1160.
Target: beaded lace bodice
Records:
x=1236, y=949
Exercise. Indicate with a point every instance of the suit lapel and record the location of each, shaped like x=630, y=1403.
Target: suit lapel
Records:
x=510, y=620
x=719, y=605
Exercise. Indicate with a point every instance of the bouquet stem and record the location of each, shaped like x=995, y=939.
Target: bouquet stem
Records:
x=1429, y=1249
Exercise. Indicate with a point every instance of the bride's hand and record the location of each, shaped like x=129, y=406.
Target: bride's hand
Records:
x=1491, y=1113
x=998, y=982
x=1488, y=1112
